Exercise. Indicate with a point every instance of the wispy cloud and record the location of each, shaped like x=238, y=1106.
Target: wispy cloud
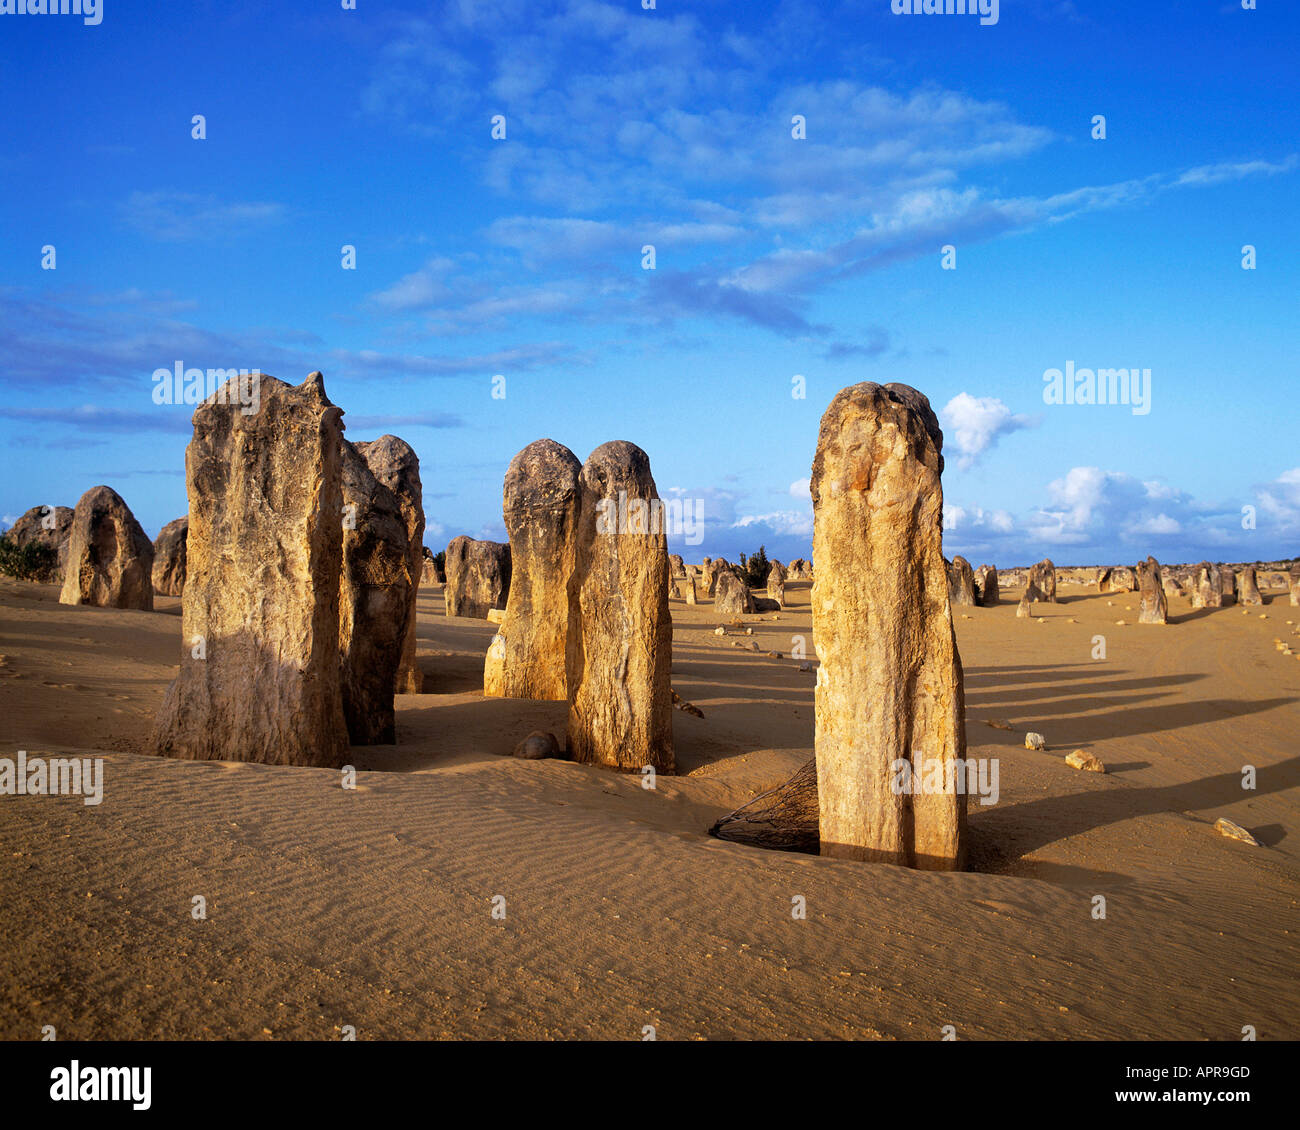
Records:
x=175, y=217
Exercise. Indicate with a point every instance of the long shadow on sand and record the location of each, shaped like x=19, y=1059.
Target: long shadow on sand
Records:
x=1019, y=829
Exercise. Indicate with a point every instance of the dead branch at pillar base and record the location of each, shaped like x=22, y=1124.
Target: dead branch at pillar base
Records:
x=781, y=819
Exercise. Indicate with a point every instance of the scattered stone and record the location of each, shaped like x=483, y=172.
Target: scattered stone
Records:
x=1035, y=741
x=719, y=631
x=986, y=586
x=1226, y=827
x=537, y=746
x=498, y=616
x=1082, y=759
x=998, y=725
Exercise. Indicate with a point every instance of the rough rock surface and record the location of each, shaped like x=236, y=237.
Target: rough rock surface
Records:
x=986, y=585
x=1227, y=584
x=1116, y=579
x=1235, y=831
x=430, y=574
x=890, y=684
x=109, y=557
x=1293, y=577
x=1031, y=595
x=169, y=558
x=676, y=565
x=1153, y=605
x=713, y=571
x=688, y=591
x=961, y=582
x=1043, y=577
x=45, y=525
x=395, y=465
x=374, y=600
x=540, y=502
x=259, y=677
x=1207, y=586
x=776, y=577
x=478, y=576
x=731, y=596
x=620, y=706
x=1248, y=587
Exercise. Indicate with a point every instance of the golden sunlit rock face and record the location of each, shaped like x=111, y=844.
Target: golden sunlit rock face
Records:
x=890, y=685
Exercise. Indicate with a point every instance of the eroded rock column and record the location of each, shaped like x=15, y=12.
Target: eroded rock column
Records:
x=259, y=677
x=890, y=685
x=540, y=502
x=620, y=707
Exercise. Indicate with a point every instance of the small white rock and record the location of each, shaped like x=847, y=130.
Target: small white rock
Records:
x=1035, y=741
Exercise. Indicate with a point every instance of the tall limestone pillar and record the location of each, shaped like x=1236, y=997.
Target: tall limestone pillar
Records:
x=259, y=677
x=540, y=502
x=620, y=700
x=890, y=685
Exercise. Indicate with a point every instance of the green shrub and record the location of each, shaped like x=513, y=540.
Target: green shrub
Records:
x=30, y=562
x=756, y=567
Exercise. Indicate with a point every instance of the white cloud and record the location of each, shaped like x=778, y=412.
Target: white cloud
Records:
x=178, y=216
x=976, y=423
x=788, y=522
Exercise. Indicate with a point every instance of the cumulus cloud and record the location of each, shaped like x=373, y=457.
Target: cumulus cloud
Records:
x=974, y=424
x=790, y=522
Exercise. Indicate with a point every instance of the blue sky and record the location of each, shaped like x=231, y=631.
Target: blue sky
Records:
x=775, y=256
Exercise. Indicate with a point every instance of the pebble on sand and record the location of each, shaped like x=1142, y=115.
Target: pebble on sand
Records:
x=537, y=745
x=1233, y=831
x=1035, y=741
x=1082, y=759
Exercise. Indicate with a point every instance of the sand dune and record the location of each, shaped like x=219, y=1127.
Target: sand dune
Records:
x=373, y=907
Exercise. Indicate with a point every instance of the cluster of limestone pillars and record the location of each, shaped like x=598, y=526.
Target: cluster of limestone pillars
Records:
x=276, y=585
x=890, y=681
